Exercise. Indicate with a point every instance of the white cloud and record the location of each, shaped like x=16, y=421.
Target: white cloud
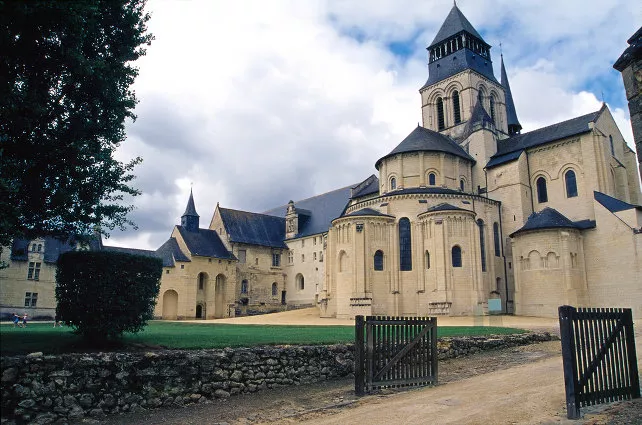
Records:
x=256, y=103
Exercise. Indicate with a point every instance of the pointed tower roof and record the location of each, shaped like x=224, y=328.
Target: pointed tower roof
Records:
x=514, y=127
x=190, y=210
x=479, y=119
x=455, y=22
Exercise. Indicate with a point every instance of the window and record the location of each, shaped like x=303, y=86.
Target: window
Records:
x=242, y=256
x=166, y=271
x=462, y=185
x=393, y=183
x=182, y=266
x=542, y=195
x=571, y=184
x=314, y=256
x=201, y=281
x=427, y=260
x=275, y=289
x=480, y=97
x=612, y=147
x=256, y=261
x=39, y=247
x=456, y=256
x=33, y=248
x=482, y=245
x=290, y=257
x=302, y=243
x=405, y=245
x=244, y=286
x=378, y=260
x=303, y=258
x=314, y=240
x=492, y=109
x=34, y=271
x=456, y=110
x=321, y=256
x=31, y=299
x=496, y=239
x=432, y=179
x=441, y=123
x=276, y=259
x=300, y=282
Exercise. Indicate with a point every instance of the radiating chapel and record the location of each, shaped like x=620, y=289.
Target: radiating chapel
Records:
x=466, y=215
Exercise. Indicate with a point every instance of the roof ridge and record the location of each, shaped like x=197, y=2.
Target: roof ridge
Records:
x=554, y=124
x=247, y=212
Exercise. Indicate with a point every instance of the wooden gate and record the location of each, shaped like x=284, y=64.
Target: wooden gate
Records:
x=394, y=352
x=598, y=350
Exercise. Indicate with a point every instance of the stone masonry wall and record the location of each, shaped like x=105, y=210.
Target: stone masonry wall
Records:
x=42, y=389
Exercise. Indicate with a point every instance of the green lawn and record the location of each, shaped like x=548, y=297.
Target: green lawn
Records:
x=43, y=337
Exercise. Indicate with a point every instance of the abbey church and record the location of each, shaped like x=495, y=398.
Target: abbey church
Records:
x=466, y=215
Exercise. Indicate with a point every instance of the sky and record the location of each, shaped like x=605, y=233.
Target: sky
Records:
x=253, y=103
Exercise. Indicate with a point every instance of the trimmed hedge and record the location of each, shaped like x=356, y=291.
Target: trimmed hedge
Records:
x=102, y=294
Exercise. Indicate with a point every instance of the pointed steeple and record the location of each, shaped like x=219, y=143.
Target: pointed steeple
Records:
x=479, y=119
x=190, y=219
x=514, y=127
x=455, y=23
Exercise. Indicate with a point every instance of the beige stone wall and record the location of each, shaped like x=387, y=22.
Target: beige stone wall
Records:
x=305, y=260
x=260, y=274
x=412, y=170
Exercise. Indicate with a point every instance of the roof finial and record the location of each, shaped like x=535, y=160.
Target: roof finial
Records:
x=455, y=3
x=501, y=52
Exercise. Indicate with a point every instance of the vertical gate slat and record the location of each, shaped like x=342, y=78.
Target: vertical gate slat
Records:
x=608, y=395
x=617, y=354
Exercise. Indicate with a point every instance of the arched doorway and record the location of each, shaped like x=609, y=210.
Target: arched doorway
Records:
x=219, y=297
x=170, y=305
x=200, y=311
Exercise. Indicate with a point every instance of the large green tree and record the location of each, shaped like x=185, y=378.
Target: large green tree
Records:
x=66, y=72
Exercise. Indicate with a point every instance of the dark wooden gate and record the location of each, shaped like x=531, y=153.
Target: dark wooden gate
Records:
x=394, y=352
x=598, y=350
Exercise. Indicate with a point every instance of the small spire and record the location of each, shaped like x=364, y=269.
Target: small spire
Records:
x=190, y=210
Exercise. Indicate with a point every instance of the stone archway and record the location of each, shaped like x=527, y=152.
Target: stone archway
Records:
x=200, y=311
x=170, y=305
x=219, y=296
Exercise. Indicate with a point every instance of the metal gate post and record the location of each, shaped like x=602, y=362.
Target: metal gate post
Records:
x=359, y=357
x=568, y=358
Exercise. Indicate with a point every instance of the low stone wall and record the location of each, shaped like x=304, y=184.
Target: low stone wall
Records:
x=44, y=388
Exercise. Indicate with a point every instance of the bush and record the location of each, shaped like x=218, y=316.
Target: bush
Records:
x=102, y=294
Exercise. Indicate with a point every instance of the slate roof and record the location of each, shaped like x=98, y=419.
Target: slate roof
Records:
x=455, y=23
x=423, y=139
x=437, y=190
x=479, y=118
x=366, y=187
x=445, y=207
x=561, y=130
x=501, y=159
x=324, y=208
x=190, y=210
x=548, y=218
x=52, y=249
x=613, y=204
x=254, y=228
x=205, y=243
x=170, y=252
x=367, y=211
x=134, y=251
x=633, y=52
x=457, y=62
x=511, y=113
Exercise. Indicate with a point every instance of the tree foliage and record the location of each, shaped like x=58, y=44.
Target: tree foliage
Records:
x=65, y=79
x=102, y=294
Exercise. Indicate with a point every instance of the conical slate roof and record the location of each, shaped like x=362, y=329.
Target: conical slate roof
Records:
x=548, y=218
x=190, y=210
x=455, y=22
x=478, y=119
x=511, y=114
x=422, y=139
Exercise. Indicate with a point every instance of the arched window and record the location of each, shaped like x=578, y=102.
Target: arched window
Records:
x=244, y=286
x=39, y=247
x=378, y=260
x=571, y=184
x=456, y=111
x=482, y=245
x=456, y=256
x=480, y=97
x=492, y=109
x=405, y=245
x=496, y=239
x=612, y=147
x=393, y=183
x=441, y=123
x=427, y=260
x=201, y=280
x=462, y=185
x=275, y=289
x=431, y=179
x=300, y=282
x=542, y=194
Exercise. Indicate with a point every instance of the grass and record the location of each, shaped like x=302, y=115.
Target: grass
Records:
x=43, y=337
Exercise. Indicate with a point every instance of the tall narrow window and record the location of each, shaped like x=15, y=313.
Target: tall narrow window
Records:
x=440, y=114
x=242, y=256
x=244, y=286
x=482, y=244
x=378, y=260
x=405, y=245
x=612, y=147
x=276, y=259
x=456, y=111
x=462, y=185
x=571, y=184
x=275, y=289
x=427, y=260
x=201, y=281
x=480, y=97
x=393, y=183
x=431, y=179
x=492, y=109
x=542, y=194
x=496, y=239
x=456, y=256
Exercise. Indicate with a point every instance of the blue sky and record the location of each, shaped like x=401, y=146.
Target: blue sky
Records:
x=254, y=103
